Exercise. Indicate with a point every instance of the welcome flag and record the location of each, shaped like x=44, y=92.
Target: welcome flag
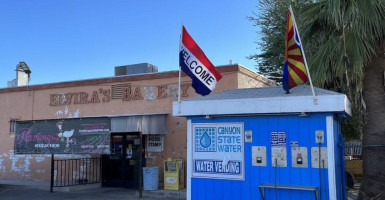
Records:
x=294, y=71
x=195, y=64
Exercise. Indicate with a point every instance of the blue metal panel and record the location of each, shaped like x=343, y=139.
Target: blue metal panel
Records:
x=343, y=168
x=300, y=129
x=340, y=162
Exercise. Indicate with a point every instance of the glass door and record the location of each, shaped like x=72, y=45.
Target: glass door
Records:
x=121, y=167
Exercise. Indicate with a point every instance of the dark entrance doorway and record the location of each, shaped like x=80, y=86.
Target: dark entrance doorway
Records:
x=122, y=167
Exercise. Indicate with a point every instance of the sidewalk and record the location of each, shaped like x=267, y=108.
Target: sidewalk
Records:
x=353, y=193
x=34, y=190
x=40, y=191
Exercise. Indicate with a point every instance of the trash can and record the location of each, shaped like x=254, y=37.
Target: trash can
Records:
x=173, y=174
x=150, y=178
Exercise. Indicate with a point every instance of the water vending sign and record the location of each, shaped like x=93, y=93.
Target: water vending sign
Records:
x=218, y=151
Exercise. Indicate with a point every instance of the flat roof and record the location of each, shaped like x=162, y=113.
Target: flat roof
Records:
x=266, y=100
x=131, y=77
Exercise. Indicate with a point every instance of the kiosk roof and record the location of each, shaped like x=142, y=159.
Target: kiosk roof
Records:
x=266, y=100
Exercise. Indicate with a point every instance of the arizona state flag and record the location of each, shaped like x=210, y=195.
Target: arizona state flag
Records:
x=195, y=64
x=294, y=71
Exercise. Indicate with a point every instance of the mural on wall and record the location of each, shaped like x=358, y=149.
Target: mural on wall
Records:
x=21, y=164
x=66, y=113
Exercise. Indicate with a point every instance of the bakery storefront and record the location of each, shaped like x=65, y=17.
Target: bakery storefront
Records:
x=99, y=130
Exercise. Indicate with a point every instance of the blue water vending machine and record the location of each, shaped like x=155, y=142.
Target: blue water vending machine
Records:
x=261, y=143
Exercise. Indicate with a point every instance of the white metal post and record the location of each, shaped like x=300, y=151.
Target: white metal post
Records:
x=304, y=57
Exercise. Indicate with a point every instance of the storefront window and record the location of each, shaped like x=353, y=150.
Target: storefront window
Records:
x=116, y=146
x=12, y=125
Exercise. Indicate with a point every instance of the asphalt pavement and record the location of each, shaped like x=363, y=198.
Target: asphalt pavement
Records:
x=23, y=193
x=30, y=192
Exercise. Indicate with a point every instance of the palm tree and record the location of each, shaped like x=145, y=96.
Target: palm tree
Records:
x=351, y=60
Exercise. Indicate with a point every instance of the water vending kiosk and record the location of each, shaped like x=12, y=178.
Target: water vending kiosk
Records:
x=261, y=143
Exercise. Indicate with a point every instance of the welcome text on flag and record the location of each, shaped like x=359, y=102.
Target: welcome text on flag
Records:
x=197, y=68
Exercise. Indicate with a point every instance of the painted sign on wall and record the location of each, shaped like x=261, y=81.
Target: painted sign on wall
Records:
x=80, y=136
x=127, y=93
x=218, y=151
x=154, y=143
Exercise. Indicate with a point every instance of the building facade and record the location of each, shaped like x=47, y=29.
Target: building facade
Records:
x=124, y=99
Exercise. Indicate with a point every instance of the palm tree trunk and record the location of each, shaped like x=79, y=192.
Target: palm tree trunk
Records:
x=373, y=183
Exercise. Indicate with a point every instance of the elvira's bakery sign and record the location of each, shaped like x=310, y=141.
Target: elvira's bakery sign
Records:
x=103, y=95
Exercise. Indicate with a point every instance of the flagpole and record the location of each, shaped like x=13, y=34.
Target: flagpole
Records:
x=179, y=92
x=180, y=41
x=304, y=57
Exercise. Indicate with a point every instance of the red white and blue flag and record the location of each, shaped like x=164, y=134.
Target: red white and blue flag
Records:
x=195, y=64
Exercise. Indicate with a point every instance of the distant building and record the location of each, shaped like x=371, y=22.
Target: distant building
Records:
x=137, y=101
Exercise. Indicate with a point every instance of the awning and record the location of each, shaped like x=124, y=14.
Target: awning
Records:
x=147, y=124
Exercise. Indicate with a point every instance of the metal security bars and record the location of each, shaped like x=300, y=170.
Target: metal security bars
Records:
x=71, y=172
x=353, y=148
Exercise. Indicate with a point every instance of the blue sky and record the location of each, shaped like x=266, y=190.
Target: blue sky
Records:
x=64, y=40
